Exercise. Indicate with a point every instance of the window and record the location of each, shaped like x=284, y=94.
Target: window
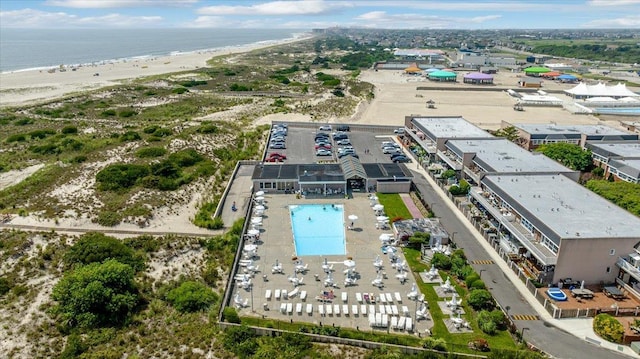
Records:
x=612, y=252
x=608, y=269
x=526, y=224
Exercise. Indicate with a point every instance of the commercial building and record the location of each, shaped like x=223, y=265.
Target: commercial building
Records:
x=555, y=226
x=534, y=135
x=619, y=159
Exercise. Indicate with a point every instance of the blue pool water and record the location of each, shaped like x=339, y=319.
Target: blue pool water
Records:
x=318, y=229
x=619, y=110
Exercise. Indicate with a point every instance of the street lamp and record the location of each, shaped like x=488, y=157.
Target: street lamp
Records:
x=522, y=334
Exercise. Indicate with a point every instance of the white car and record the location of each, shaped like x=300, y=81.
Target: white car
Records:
x=323, y=152
x=325, y=128
x=344, y=141
x=346, y=148
x=389, y=144
x=391, y=150
x=399, y=131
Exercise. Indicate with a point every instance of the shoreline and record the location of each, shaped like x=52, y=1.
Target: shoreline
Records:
x=25, y=87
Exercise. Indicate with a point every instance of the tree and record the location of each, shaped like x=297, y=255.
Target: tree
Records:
x=510, y=133
x=96, y=294
x=481, y=299
x=418, y=239
x=191, y=296
x=568, y=154
x=486, y=323
x=96, y=247
x=241, y=341
x=441, y=261
x=230, y=315
x=608, y=327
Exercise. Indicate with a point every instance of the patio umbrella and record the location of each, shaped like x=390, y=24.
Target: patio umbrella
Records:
x=259, y=193
x=378, y=207
x=259, y=198
x=353, y=217
x=382, y=218
x=253, y=232
x=250, y=247
x=256, y=220
x=385, y=237
x=349, y=263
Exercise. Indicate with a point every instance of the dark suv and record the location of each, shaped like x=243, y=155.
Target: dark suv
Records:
x=343, y=128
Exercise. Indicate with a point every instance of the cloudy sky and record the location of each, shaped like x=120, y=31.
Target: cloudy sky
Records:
x=307, y=14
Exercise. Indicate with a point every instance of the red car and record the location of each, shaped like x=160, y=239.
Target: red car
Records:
x=276, y=157
x=326, y=146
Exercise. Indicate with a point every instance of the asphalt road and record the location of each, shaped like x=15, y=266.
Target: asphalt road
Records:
x=541, y=334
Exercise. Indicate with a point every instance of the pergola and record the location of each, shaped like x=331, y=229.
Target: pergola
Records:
x=443, y=76
x=478, y=78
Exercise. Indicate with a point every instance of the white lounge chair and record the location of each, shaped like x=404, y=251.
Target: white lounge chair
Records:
x=354, y=309
x=284, y=294
x=408, y=324
x=359, y=297
x=382, y=309
x=344, y=296
x=321, y=309
x=385, y=321
x=394, y=310
x=372, y=320
x=293, y=293
x=303, y=295
x=283, y=307
x=394, y=322
x=398, y=297
x=388, y=309
x=372, y=308
x=383, y=299
x=378, y=319
x=336, y=309
x=363, y=309
x=277, y=294
x=345, y=309
x=299, y=308
x=401, y=322
x=289, y=308
x=267, y=294
x=389, y=297
x=405, y=310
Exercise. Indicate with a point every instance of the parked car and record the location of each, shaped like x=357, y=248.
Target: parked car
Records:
x=348, y=154
x=344, y=141
x=278, y=145
x=391, y=150
x=275, y=159
x=323, y=152
x=322, y=136
x=389, y=144
x=326, y=146
x=346, y=148
x=401, y=159
x=278, y=155
x=399, y=131
x=325, y=128
x=344, y=128
x=323, y=141
x=278, y=138
x=339, y=136
x=393, y=156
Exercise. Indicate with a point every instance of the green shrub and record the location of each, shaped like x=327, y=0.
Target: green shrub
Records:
x=441, y=261
x=127, y=112
x=23, y=121
x=418, y=239
x=151, y=152
x=241, y=341
x=229, y=314
x=608, y=327
x=150, y=129
x=130, y=136
x=486, y=323
x=179, y=90
x=163, y=132
x=448, y=174
x=40, y=134
x=192, y=83
x=96, y=294
x=598, y=172
x=46, y=149
x=19, y=137
x=191, y=296
x=208, y=128
x=97, y=247
x=78, y=159
x=108, y=113
x=434, y=343
x=120, y=176
x=69, y=130
x=5, y=286
x=109, y=218
x=470, y=279
x=186, y=158
x=477, y=284
x=481, y=299
x=238, y=87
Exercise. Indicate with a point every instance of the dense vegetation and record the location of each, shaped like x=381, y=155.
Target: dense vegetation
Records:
x=608, y=327
x=568, y=154
x=624, y=52
x=624, y=194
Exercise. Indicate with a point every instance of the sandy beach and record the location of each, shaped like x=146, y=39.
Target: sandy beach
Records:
x=24, y=87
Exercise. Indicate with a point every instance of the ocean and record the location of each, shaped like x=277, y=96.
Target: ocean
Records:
x=25, y=49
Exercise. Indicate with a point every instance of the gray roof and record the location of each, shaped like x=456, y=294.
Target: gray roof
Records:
x=449, y=127
x=352, y=167
x=626, y=149
x=588, y=130
x=502, y=155
x=561, y=208
x=628, y=167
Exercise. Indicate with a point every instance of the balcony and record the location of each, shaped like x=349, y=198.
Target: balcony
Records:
x=427, y=143
x=453, y=162
x=543, y=254
x=624, y=264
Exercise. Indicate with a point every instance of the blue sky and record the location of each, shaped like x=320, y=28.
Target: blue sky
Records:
x=307, y=14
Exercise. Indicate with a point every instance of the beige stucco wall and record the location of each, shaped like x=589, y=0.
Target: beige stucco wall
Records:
x=588, y=259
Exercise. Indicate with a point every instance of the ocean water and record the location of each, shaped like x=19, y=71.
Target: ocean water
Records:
x=22, y=49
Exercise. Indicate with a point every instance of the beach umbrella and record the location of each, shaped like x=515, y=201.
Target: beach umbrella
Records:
x=259, y=193
x=250, y=247
x=350, y=263
x=353, y=217
x=260, y=199
x=256, y=220
x=385, y=237
x=253, y=232
x=382, y=218
x=378, y=207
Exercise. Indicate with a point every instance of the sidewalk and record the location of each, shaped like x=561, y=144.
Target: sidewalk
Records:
x=581, y=328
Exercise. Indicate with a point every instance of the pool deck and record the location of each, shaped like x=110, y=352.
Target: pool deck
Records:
x=363, y=245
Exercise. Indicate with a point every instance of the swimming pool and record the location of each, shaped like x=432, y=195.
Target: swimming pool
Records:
x=318, y=229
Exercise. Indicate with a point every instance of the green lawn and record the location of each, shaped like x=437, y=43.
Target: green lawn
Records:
x=394, y=206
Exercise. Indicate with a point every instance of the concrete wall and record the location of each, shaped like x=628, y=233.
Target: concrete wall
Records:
x=393, y=186
x=588, y=259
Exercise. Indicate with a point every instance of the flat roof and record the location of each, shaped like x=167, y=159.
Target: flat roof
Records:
x=502, y=155
x=616, y=149
x=588, y=130
x=628, y=167
x=449, y=127
x=561, y=208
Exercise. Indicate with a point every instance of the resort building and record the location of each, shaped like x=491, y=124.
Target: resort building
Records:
x=620, y=159
x=555, y=227
x=534, y=135
x=478, y=157
x=584, y=91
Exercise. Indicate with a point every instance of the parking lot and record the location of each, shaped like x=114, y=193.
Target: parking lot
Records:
x=366, y=142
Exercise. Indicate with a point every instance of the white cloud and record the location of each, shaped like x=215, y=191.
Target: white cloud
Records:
x=613, y=2
x=30, y=18
x=106, y=4
x=506, y=5
x=411, y=20
x=304, y=7
x=481, y=19
x=632, y=21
